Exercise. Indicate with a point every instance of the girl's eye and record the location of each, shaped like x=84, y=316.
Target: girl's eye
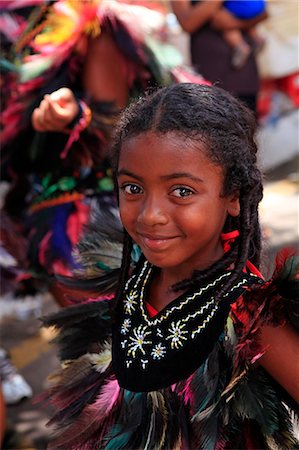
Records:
x=131, y=188
x=182, y=192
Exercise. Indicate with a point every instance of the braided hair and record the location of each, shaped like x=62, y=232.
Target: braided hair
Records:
x=226, y=127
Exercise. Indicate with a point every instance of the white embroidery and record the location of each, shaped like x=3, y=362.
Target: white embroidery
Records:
x=158, y=351
x=144, y=363
x=139, y=340
x=159, y=333
x=176, y=334
x=125, y=326
x=130, y=302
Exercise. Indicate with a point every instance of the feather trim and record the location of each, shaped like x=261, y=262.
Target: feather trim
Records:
x=227, y=403
x=100, y=248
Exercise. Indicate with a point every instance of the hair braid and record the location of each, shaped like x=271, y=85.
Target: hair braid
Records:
x=242, y=247
x=124, y=269
x=206, y=275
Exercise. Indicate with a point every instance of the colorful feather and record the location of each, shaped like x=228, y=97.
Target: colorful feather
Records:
x=226, y=403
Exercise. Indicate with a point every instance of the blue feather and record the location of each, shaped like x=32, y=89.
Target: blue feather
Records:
x=61, y=245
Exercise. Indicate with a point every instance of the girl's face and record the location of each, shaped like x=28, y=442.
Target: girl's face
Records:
x=171, y=203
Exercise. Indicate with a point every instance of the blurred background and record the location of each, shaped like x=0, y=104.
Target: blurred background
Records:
x=45, y=46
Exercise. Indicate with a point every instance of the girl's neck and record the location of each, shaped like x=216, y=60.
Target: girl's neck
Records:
x=161, y=293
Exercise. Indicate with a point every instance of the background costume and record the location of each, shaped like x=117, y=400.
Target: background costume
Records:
x=56, y=177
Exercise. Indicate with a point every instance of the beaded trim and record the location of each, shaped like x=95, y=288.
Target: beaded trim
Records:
x=142, y=343
x=131, y=297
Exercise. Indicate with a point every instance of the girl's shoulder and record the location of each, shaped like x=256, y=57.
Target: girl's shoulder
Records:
x=274, y=303
x=275, y=300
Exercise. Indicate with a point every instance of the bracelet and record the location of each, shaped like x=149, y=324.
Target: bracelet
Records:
x=80, y=126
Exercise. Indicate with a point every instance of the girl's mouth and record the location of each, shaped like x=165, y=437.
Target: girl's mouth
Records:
x=156, y=243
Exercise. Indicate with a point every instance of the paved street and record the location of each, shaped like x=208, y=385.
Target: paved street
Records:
x=29, y=344
x=35, y=358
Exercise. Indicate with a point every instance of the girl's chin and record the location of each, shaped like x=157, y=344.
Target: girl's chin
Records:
x=163, y=261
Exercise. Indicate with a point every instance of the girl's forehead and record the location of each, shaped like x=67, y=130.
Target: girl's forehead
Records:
x=159, y=154
x=169, y=142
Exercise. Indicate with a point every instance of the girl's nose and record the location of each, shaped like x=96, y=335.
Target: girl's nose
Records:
x=152, y=212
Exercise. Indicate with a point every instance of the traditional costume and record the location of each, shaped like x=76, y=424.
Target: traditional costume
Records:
x=186, y=377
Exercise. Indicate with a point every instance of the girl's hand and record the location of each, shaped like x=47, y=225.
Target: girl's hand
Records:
x=56, y=111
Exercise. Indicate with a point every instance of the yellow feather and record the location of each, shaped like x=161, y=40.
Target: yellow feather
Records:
x=102, y=360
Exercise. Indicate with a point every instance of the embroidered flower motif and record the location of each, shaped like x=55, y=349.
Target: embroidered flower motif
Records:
x=130, y=302
x=158, y=351
x=177, y=334
x=125, y=326
x=139, y=340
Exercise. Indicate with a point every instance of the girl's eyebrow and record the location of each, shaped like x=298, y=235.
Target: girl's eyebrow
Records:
x=171, y=176
x=128, y=173
x=182, y=175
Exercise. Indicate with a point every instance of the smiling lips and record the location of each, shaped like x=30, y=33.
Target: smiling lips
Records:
x=156, y=242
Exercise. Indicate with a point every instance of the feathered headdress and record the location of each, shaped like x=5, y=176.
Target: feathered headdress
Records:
x=65, y=23
x=50, y=40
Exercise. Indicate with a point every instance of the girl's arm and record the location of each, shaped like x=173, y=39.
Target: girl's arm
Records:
x=224, y=20
x=191, y=17
x=281, y=359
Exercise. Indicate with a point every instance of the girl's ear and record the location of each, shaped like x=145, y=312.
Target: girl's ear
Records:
x=234, y=204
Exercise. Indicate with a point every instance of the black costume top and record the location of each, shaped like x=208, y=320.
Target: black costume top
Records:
x=186, y=378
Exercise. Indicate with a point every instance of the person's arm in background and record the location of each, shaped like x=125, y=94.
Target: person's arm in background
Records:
x=61, y=112
x=56, y=111
x=281, y=358
x=224, y=20
x=191, y=17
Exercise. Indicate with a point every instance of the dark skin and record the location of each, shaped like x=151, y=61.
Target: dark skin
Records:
x=175, y=215
x=281, y=358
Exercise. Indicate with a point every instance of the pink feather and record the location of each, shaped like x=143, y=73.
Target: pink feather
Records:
x=93, y=421
x=108, y=396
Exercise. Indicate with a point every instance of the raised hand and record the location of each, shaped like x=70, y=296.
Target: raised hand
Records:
x=56, y=111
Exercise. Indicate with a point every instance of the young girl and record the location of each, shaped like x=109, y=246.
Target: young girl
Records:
x=175, y=359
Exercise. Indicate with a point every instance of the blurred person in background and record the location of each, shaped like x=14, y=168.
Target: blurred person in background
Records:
x=77, y=64
x=211, y=53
